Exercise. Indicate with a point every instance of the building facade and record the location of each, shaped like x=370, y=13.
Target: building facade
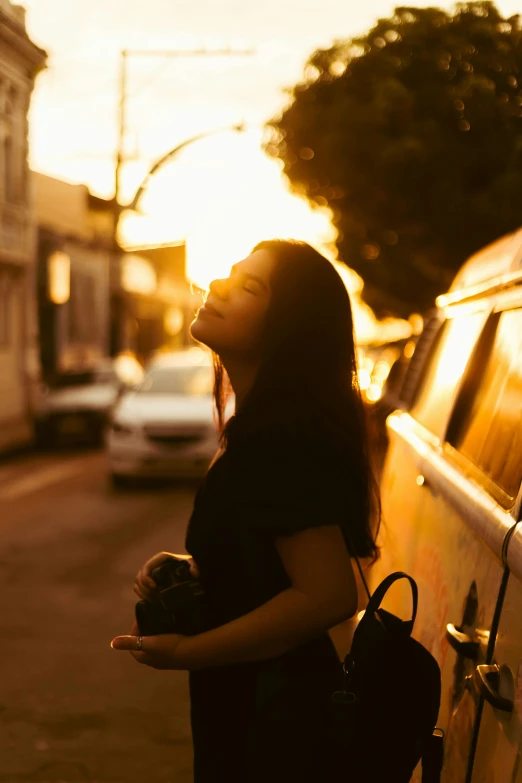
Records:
x=95, y=299
x=74, y=261
x=20, y=62
x=157, y=303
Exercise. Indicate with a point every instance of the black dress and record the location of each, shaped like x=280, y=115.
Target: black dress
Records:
x=263, y=721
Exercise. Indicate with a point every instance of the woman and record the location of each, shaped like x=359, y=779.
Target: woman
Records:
x=285, y=500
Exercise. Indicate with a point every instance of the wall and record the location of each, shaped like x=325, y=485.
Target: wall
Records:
x=76, y=332
x=20, y=61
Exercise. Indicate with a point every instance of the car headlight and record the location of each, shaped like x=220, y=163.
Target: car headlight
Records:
x=121, y=429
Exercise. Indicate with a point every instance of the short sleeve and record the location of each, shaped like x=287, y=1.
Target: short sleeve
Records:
x=290, y=483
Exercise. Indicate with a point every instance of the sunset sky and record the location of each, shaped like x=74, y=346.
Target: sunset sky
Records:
x=221, y=194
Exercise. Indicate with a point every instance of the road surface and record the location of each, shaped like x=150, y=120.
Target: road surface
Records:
x=71, y=708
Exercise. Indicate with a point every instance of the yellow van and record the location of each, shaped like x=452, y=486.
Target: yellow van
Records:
x=451, y=495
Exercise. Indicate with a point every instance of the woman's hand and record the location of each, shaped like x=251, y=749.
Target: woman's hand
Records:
x=159, y=652
x=145, y=587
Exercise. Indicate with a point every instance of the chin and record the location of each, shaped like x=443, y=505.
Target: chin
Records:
x=201, y=332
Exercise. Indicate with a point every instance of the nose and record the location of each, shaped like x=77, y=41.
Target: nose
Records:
x=218, y=288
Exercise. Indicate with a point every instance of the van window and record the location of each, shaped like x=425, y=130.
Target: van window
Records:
x=487, y=425
x=424, y=349
x=434, y=397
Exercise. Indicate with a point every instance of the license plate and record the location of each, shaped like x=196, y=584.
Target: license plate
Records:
x=72, y=425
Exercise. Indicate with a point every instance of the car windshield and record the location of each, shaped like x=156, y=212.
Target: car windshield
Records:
x=190, y=381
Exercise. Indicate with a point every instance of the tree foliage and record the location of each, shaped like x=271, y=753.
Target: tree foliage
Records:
x=412, y=135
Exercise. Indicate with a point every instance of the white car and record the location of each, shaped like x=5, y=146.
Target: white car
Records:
x=165, y=428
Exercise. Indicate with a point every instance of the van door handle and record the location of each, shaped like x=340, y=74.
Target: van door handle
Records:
x=487, y=681
x=462, y=642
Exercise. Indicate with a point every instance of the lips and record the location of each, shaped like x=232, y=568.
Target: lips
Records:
x=211, y=310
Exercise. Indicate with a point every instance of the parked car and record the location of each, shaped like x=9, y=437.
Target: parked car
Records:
x=74, y=407
x=451, y=501
x=165, y=428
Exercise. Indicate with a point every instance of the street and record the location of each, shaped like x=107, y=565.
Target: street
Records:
x=71, y=708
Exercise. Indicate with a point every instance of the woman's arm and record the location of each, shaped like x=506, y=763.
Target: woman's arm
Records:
x=323, y=594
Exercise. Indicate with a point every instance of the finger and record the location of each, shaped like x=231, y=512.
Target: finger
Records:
x=140, y=657
x=130, y=643
x=147, y=586
x=153, y=660
x=145, y=595
x=146, y=572
x=143, y=658
x=146, y=581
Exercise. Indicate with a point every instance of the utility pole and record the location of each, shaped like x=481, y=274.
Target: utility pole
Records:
x=120, y=153
x=117, y=306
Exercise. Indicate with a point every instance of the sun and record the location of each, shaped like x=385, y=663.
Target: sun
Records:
x=222, y=196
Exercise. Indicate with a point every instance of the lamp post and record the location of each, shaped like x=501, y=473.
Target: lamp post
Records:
x=125, y=54
x=158, y=164
x=117, y=299
x=239, y=128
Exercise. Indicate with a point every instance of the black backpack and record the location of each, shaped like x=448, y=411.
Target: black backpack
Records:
x=385, y=714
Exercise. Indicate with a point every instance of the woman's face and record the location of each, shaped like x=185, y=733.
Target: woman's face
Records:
x=232, y=318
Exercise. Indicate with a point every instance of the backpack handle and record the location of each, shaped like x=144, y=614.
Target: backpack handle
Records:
x=375, y=600
x=378, y=595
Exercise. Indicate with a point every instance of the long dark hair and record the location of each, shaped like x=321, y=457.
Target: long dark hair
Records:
x=307, y=381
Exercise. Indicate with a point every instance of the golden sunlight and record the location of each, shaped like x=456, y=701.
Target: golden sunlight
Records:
x=222, y=195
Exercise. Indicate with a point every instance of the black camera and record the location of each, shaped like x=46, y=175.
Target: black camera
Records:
x=180, y=607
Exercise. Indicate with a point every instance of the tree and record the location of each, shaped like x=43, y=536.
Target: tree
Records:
x=412, y=135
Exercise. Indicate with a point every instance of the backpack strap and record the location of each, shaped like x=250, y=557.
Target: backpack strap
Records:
x=363, y=578
x=353, y=553
x=375, y=600
x=378, y=595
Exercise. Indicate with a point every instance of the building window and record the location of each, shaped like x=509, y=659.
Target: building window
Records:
x=6, y=299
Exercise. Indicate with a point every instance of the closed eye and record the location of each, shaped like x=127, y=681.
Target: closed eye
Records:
x=258, y=283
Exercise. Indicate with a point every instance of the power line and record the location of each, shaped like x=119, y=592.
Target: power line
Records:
x=122, y=104
x=161, y=68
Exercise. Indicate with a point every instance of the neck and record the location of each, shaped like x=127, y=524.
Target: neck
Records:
x=242, y=376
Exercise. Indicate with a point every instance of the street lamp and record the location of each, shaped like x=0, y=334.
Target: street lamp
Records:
x=130, y=278
x=133, y=205
x=239, y=128
x=122, y=103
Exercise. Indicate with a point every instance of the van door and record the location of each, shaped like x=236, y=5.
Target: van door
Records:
x=439, y=521
x=400, y=494
x=460, y=578
x=484, y=440
x=499, y=736
x=492, y=438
